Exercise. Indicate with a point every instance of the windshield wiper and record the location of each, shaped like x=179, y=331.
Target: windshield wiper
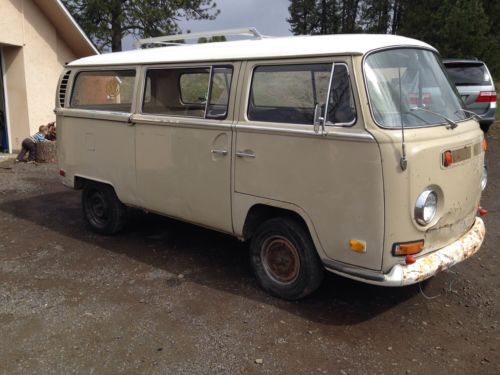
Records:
x=451, y=124
x=473, y=114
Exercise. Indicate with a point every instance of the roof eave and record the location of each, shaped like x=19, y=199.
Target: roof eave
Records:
x=67, y=28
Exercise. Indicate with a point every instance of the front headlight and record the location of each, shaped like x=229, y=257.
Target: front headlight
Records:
x=484, y=178
x=426, y=207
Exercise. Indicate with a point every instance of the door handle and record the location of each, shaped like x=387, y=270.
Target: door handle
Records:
x=219, y=152
x=245, y=154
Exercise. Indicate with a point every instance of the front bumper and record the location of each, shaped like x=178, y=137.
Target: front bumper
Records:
x=426, y=266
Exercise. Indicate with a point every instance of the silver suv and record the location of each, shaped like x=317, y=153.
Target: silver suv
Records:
x=475, y=86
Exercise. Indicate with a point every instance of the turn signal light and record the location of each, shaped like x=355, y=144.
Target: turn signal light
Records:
x=408, y=248
x=485, y=145
x=410, y=259
x=447, y=158
x=482, y=211
x=357, y=246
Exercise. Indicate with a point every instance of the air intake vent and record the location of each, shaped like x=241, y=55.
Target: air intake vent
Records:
x=63, y=87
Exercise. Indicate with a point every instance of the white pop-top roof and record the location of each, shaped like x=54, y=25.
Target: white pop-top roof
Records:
x=279, y=47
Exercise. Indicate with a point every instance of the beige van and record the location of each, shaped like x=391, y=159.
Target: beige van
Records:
x=345, y=153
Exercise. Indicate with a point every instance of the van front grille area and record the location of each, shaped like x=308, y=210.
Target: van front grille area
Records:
x=63, y=87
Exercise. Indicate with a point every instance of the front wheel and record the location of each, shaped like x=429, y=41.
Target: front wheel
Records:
x=102, y=209
x=284, y=259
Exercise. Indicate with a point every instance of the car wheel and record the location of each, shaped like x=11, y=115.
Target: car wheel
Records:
x=102, y=209
x=284, y=259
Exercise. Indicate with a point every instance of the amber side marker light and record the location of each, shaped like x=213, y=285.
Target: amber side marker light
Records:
x=357, y=246
x=447, y=158
x=407, y=248
x=485, y=145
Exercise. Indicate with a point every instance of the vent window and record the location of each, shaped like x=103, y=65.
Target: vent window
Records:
x=63, y=87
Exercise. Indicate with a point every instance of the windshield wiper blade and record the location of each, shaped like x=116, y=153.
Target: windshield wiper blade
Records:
x=473, y=114
x=451, y=124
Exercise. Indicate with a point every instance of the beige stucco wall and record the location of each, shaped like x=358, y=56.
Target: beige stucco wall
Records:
x=11, y=22
x=32, y=68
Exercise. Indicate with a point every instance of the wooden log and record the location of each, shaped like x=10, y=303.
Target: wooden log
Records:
x=46, y=152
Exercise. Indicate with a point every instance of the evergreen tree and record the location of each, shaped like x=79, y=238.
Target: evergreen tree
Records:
x=324, y=16
x=376, y=15
x=108, y=21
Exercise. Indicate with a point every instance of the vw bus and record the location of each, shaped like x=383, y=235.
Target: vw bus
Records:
x=343, y=153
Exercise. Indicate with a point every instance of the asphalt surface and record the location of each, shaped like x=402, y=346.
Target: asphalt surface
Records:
x=168, y=297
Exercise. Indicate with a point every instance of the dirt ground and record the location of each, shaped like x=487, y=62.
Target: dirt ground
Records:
x=168, y=297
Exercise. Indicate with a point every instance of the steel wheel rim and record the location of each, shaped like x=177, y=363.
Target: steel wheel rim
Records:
x=98, y=209
x=281, y=260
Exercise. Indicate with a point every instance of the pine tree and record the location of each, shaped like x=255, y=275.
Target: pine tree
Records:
x=108, y=21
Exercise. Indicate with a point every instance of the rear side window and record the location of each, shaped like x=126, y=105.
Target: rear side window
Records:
x=191, y=92
x=110, y=90
x=290, y=94
x=468, y=74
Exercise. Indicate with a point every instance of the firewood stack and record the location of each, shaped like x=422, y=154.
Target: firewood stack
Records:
x=46, y=152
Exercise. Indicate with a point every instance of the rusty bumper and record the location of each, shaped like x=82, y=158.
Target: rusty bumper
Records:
x=430, y=264
x=425, y=267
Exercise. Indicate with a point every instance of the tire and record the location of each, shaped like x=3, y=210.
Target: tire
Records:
x=284, y=259
x=104, y=212
x=485, y=127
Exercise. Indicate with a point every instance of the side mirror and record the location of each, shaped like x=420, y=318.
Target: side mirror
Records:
x=318, y=119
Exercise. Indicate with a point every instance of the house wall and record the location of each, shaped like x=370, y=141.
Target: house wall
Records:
x=34, y=55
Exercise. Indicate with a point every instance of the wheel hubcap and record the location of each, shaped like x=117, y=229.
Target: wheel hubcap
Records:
x=280, y=260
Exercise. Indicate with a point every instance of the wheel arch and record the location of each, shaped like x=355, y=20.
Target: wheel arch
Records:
x=258, y=212
x=81, y=181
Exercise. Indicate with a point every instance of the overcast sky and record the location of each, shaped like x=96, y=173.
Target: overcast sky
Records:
x=267, y=16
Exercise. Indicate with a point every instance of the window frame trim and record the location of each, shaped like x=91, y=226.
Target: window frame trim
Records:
x=333, y=62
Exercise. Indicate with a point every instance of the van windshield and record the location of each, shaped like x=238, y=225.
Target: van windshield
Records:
x=408, y=87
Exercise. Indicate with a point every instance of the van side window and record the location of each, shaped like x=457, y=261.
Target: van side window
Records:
x=290, y=93
x=191, y=92
x=341, y=107
x=109, y=90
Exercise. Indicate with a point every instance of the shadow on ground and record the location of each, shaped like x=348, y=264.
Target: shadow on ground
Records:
x=219, y=261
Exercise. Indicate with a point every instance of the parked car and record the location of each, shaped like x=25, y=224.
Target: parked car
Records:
x=476, y=87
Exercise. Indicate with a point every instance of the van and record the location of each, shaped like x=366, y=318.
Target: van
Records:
x=345, y=153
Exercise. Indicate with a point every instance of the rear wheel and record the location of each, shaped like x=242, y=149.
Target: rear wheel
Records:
x=102, y=209
x=284, y=259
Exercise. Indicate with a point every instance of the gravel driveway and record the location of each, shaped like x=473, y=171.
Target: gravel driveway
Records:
x=168, y=297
